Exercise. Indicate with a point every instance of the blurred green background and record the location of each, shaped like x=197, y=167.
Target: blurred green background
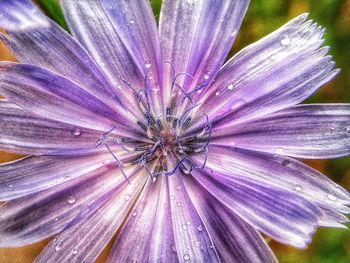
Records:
x=263, y=17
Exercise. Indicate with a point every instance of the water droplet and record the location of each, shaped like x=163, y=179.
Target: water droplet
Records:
x=148, y=64
x=56, y=219
x=187, y=257
x=217, y=93
x=178, y=203
x=331, y=197
x=332, y=129
x=172, y=197
x=10, y=186
x=107, y=161
x=132, y=21
x=285, y=40
x=347, y=129
x=173, y=248
x=279, y=151
x=188, y=223
x=197, y=243
x=298, y=188
x=127, y=197
x=222, y=20
x=76, y=132
x=71, y=199
x=207, y=75
x=199, y=91
x=199, y=228
x=273, y=57
x=178, y=187
x=230, y=87
x=134, y=214
x=75, y=251
x=184, y=227
x=119, y=86
x=58, y=247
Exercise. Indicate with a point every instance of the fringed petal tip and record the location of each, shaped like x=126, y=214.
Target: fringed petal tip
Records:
x=19, y=15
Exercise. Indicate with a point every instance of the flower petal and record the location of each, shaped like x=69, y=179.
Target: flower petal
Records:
x=53, y=96
x=34, y=218
x=235, y=240
x=50, y=47
x=281, y=172
x=25, y=133
x=83, y=242
x=148, y=233
x=33, y=174
x=196, y=37
x=20, y=15
x=136, y=26
x=277, y=72
x=319, y=131
x=90, y=24
x=283, y=215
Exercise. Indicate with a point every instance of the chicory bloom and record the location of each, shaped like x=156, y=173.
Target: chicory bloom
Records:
x=143, y=131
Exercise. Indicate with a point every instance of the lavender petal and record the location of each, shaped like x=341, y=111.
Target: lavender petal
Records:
x=314, y=131
x=34, y=174
x=277, y=72
x=21, y=15
x=283, y=215
x=84, y=241
x=279, y=171
x=136, y=26
x=53, y=96
x=196, y=37
x=90, y=24
x=235, y=240
x=30, y=219
x=25, y=133
x=148, y=232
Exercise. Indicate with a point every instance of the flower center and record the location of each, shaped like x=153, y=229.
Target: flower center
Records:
x=166, y=147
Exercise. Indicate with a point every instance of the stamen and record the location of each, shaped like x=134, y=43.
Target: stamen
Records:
x=120, y=163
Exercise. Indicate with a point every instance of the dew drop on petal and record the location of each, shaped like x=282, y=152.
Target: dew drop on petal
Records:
x=331, y=197
x=127, y=197
x=132, y=21
x=71, y=199
x=187, y=257
x=347, y=129
x=58, y=247
x=107, y=161
x=273, y=57
x=230, y=87
x=148, y=64
x=197, y=243
x=207, y=75
x=298, y=188
x=199, y=228
x=279, y=151
x=76, y=132
x=178, y=203
x=188, y=223
x=184, y=227
x=217, y=93
x=285, y=40
x=134, y=213
x=75, y=251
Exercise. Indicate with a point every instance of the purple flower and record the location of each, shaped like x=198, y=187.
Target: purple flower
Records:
x=143, y=131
